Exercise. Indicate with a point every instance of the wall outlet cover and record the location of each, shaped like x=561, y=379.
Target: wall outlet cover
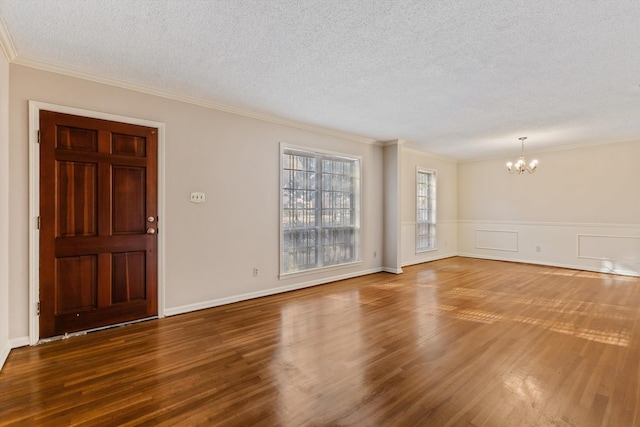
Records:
x=197, y=197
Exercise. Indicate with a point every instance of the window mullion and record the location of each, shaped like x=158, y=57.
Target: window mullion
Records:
x=319, y=184
x=318, y=212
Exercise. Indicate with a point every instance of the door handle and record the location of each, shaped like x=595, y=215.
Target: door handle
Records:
x=151, y=230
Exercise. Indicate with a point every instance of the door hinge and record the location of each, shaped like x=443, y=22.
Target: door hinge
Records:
x=38, y=308
x=39, y=222
x=38, y=137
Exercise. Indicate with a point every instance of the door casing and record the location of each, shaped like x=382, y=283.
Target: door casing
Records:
x=34, y=202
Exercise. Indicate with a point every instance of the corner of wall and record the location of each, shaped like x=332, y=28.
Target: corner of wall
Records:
x=4, y=204
x=4, y=354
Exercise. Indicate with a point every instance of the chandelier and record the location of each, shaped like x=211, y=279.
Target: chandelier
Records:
x=521, y=165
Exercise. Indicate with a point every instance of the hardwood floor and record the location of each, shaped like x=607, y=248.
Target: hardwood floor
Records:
x=456, y=342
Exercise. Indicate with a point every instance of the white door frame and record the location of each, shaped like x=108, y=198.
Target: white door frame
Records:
x=34, y=202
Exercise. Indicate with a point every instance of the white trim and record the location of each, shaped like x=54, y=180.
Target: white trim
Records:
x=34, y=232
x=19, y=342
x=550, y=224
x=579, y=235
x=4, y=354
x=431, y=155
x=392, y=270
x=358, y=219
x=497, y=231
x=393, y=142
x=34, y=201
x=258, y=294
x=425, y=260
x=7, y=43
x=149, y=90
x=551, y=264
x=421, y=251
x=284, y=276
x=306, y=149
x=551, y=150
x=434, y=173
x=444, y=221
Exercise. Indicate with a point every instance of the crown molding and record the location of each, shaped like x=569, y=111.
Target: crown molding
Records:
x=149, y=90
x=6, y=42
x=555, y=149
x=391, y=143
x=433, y=156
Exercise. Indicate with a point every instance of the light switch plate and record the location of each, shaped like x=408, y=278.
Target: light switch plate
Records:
x=197, y=197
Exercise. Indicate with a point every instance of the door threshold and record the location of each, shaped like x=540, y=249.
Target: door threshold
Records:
x=87, y=331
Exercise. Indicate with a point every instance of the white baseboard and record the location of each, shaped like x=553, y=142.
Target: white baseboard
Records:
x=14, y=343
x=19, y=342
x=272, y=291
x=422, y=261
x=4, y=353
x=552, y=264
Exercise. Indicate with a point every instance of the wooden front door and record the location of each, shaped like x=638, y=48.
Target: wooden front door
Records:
x=98, y=223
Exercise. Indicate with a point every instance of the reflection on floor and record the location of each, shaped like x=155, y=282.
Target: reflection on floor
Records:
x=456, y=342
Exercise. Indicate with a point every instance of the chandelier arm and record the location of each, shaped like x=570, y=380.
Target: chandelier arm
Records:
x=521, y=165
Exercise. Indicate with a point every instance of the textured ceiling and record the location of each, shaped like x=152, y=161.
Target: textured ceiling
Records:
x=462, y=79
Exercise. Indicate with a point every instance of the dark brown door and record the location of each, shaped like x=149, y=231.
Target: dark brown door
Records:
x=98, y=212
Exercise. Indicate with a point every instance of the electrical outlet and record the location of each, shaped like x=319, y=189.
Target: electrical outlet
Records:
x=255, y=272
x=197, y=197
x=537, y=248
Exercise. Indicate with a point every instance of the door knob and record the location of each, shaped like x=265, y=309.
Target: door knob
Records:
x=151, y=219
x=151, y=230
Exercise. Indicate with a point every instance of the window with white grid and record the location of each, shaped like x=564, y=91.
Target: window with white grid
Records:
x=320, y=210
x=425, y=210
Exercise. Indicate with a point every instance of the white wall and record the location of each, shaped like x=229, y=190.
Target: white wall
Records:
x=446, y=206
x=211, y=248
x=581, y=209
x=391, y=199
x=4, y=208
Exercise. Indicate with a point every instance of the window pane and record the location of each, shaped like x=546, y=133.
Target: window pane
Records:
x=425, y=210
x=320, y=205
x=286, y=161
x=348, y=168
x=287, y=179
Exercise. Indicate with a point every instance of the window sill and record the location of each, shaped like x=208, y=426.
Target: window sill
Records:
x=421, y=251
x=318, y=270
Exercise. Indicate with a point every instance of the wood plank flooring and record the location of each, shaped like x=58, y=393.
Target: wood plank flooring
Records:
x=456, y=342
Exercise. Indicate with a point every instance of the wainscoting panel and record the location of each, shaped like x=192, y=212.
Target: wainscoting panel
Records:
x=497, y=240
x=615, y=248
x=607, y=248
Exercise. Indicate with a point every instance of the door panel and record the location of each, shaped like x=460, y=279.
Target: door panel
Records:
x=128, y=276
x=76, y=187
x=128, y=194
x=77, y=139
x=129, y=145
x=98, y=190
x=77, y=283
